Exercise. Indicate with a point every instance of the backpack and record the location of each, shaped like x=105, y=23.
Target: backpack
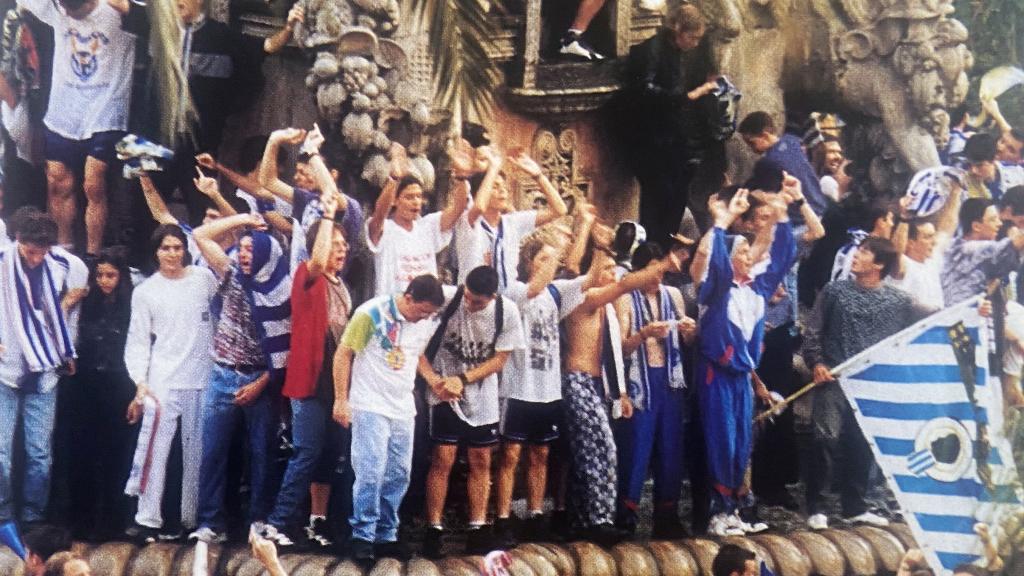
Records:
x=435, y=341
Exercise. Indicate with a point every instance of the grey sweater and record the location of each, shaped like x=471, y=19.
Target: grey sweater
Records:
x=848, y=319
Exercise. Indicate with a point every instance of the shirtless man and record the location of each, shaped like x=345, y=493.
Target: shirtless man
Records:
x=587, y=390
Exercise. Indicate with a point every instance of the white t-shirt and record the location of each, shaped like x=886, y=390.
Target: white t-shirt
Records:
x=92, y=70
x=534, y=373
x=478, y=245
x=402, y=255
x=466, y=345
x=830, y=187
x=922, y=280
x=170, y=337
x=377, y=385
x=4, y=239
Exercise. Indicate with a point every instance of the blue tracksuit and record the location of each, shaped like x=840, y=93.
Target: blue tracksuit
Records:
x=731, y=331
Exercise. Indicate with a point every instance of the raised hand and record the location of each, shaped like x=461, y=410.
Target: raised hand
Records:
x=399, y=161
x=739, y=203
x=288, y=135
x=295, y=16
x=314, y=139
x=791, y=187
x=205, y=184
x=487, y=158
x=460, y=156
x=206, y=161
x=329, y=205
x=520, y=159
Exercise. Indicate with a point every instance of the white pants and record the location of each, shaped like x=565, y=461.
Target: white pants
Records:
x=186, y=405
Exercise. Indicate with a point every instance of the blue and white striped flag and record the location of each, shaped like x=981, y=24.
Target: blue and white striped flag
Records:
x=920, y=413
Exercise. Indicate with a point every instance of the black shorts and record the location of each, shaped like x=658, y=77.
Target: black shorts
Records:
x=447, y=428
x=531, y=422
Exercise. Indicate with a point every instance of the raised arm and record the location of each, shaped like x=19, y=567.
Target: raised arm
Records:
x=206, y=236
x=268, y=173
x=793, y=190
x=457, y=202
x=155, y=202
x=578, y=249
x=386, y=198
x=321, y=173
x=209, y=188
x=240, y=181
x=278, y=41
x=556, y=207
x=493, y=161
x=322, y=244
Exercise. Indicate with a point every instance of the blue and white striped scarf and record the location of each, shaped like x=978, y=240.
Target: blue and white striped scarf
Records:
x=42, y=333
x=639, y=386
x=268, y=290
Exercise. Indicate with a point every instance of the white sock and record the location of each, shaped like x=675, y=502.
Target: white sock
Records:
x=314, y=517
x=576, y=32
x=437, y=527
x=535, y=513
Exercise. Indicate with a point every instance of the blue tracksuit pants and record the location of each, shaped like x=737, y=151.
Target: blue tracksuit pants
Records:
x=727, y=412
x=653, y=439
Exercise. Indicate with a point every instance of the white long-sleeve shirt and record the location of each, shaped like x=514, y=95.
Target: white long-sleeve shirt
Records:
x=171, y=333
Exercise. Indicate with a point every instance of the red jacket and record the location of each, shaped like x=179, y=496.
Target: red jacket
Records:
x=309, y=331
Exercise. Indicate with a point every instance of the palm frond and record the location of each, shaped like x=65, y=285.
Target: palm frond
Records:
x=459, y=38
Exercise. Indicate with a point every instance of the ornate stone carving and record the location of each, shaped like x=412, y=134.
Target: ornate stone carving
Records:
x=900, y=62
x=555, y=151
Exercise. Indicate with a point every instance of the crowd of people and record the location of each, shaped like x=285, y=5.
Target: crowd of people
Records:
x=261, y=371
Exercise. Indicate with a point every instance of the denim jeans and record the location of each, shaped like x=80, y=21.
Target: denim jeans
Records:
x=37, y=411
x=219, y=417
x=309, y=430
x=382, y=461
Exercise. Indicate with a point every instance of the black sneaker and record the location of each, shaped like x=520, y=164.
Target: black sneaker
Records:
x=433, y=543
x=399, y=550
x=318, y=534
x=573, y=44
x=504, y=535
x=142, y=535
x=605, y=535
x=480, y=541
x=362, y=553
x=535, y=529
x=559, y=527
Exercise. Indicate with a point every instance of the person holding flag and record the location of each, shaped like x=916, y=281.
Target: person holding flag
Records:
x=849, y=316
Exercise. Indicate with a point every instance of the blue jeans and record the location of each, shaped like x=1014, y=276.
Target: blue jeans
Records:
x=219, y=417
x=382, y=461
x=37, y=411
x=309, y=429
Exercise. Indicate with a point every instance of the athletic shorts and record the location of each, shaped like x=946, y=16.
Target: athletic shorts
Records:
x=447, y=428
x=531, y=422
x=72, y=153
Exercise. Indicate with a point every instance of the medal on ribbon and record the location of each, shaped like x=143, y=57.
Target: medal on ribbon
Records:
x=391, y=332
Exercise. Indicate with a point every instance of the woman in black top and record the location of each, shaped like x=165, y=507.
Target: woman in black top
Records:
x=102, y=444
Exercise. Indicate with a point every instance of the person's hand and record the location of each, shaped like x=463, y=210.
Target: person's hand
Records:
x=206, y=161
x=687, y=327
x=792, y=189
x=120, y=5
x=266, y=552
x=68, y=368
x=461, y=158
x=255, y=221
x=288, y=135
x=985, y=308
x=205, y=184
x=588, y=212
x=627, y=406
x=656, y=330
x=822, y=374
x=602, y=235
x=762, y=393
x=678, y=255
x=739, y=203
x=329, y=205
x=450, y=388
x=314, y=139
x=702, y=90
x=296, y=16
x=249, y=393
x=399, y=161
x=342, y=412
x=488, y=158
x=136, y=406
x=520, y=159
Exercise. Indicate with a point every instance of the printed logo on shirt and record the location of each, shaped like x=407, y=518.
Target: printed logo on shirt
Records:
x=84, y=49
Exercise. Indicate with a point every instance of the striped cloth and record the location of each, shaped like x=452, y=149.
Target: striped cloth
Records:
x=268, y=289
x=42, y=331
x=925, y=400
x=638, y=386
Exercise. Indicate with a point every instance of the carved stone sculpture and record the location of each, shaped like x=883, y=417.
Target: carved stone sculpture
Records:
x=900, y=63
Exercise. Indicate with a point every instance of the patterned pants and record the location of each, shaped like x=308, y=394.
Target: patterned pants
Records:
x=592, y=484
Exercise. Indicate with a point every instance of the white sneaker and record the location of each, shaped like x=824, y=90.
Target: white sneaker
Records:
x=573, y=44
x=746, y=527
x=280, y=538
x=817, y=522
x=206, y=534
x=723, y=525
x=869, y=518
